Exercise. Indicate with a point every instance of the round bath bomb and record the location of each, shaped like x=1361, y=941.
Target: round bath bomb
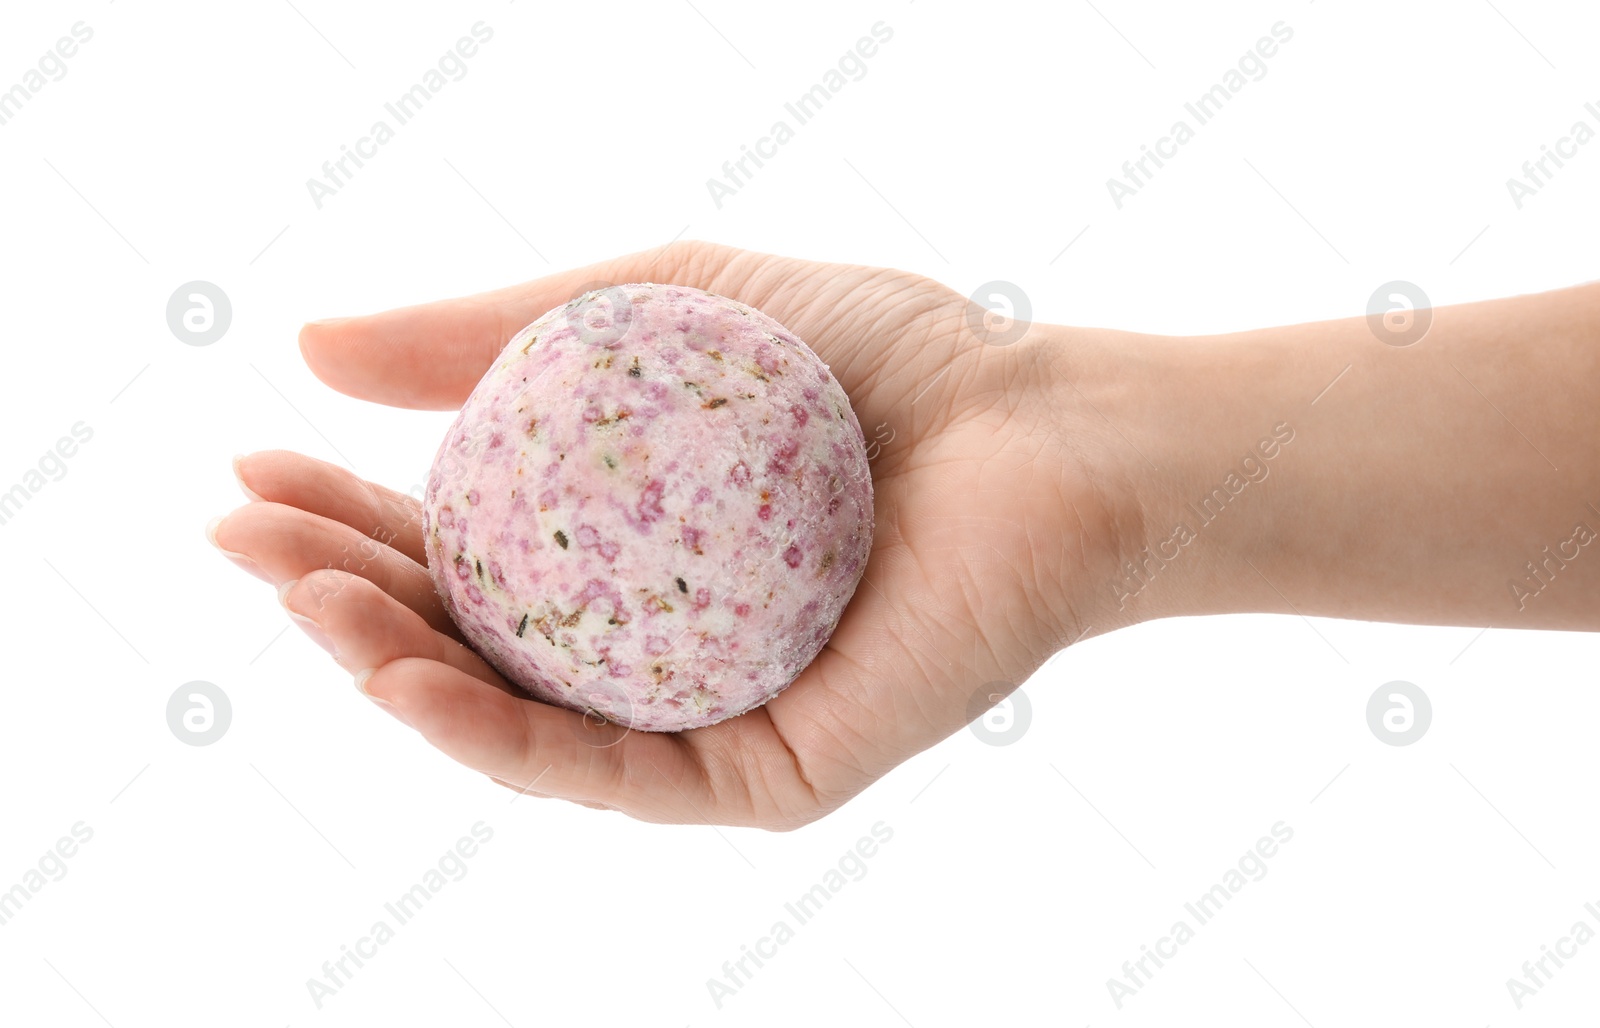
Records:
x=654, y=506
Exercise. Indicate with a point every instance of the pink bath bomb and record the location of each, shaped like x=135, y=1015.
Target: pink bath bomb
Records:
x=654, y=506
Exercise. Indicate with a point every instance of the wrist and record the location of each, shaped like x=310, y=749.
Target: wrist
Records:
x=1188, y=436
x=1097, y=389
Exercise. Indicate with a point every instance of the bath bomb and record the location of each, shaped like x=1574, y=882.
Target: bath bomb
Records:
x=654, y=506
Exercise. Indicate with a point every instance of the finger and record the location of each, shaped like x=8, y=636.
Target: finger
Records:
x=523, y=790
x=430, y=356
x=557, y=752
x=281, y=476
x=364, y=627
x=286, y=542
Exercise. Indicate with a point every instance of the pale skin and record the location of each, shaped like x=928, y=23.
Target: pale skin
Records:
x=1028, y=496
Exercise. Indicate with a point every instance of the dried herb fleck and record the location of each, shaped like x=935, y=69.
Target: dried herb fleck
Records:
x=561, y=539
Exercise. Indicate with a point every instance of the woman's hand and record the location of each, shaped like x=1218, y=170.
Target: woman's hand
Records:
x=1000, y=506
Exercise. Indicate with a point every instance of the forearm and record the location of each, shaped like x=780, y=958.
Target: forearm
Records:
x=1316, y=469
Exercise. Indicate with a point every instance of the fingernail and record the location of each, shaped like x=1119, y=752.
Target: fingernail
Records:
x=237, y=477
x=238, y=558
x=309, y=627
x=362, y=677
x=327, y=321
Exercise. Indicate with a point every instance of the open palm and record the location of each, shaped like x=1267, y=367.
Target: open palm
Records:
x=984, y=517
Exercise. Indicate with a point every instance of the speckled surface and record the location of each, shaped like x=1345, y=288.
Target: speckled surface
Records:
x=655, y=505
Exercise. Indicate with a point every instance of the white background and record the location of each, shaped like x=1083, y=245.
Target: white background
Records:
x=1019, y=878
